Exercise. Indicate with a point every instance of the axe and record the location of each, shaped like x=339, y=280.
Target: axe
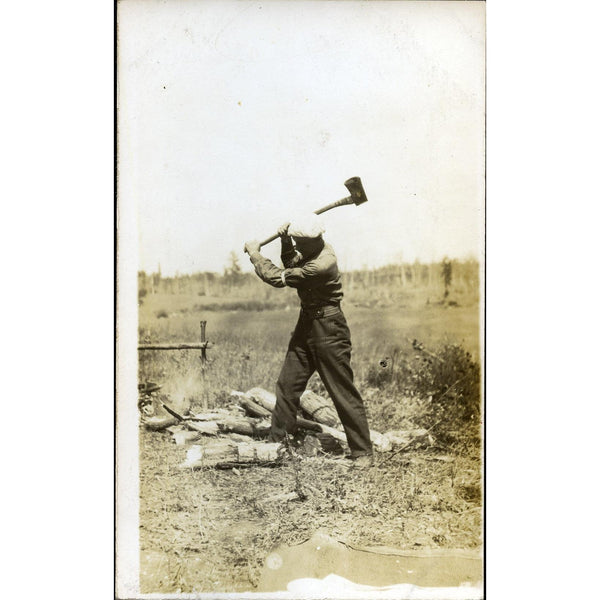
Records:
x=357, y=196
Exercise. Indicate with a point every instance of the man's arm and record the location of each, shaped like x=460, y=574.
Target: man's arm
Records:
x=264, y=268
x=309, y=273
x=296, y=277
x=289, y=256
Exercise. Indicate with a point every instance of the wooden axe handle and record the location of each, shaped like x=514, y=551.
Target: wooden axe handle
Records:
x=342, y=202
x=357, y=197
x=269, y=240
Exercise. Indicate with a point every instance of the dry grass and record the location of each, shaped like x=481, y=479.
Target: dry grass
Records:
x=210, y=530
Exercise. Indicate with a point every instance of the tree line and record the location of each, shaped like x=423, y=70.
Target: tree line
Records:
x=442, y=278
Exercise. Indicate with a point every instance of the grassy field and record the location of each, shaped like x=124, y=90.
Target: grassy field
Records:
x=210, y=530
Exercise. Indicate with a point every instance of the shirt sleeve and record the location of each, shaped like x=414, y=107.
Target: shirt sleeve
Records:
x=267, y=271
x=289, y=256
x=296, y=277
x=309, y=273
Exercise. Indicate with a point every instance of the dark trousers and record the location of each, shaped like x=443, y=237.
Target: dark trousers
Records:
x=323, y=345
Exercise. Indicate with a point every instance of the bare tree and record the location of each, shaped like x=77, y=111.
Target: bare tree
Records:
x=446, y=275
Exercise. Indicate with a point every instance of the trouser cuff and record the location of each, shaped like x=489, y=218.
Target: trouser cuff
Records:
x=357, y=453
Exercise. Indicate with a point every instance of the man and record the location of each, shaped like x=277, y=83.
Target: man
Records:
x=321, y=339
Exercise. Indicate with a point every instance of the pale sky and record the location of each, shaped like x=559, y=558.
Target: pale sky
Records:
x=233, y=116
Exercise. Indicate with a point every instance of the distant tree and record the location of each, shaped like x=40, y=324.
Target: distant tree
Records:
x=233, y=271
x=446, y=275
x=142, y=284
x=156, y=279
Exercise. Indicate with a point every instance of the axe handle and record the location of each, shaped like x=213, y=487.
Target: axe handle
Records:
x=269, y=240
x=342, y=202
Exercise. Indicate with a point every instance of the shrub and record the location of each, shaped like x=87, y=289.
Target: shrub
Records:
x=447, y=383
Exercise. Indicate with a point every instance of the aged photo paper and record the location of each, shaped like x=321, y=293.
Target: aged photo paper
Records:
x=237, y=120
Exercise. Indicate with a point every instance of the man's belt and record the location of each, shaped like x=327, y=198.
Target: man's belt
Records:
x=321, y=311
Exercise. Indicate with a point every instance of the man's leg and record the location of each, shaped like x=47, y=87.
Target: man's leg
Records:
x=332, y=346
x=295, y=373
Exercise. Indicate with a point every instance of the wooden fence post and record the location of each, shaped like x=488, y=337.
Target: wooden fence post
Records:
x=203, y=340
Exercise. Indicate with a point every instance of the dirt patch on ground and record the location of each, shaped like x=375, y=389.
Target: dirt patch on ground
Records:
x=210, y=530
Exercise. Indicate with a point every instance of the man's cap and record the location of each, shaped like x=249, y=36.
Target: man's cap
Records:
x=306, y=226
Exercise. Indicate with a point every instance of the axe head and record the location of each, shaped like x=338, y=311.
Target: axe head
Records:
x=357, y=192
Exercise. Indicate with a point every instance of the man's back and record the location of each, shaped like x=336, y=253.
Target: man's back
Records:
x=316, y=278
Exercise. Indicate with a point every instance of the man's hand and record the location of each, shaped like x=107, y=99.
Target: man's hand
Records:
x=283, y=230
x=251, y=247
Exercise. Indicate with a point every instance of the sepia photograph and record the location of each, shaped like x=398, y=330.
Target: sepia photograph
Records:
x=300, y=298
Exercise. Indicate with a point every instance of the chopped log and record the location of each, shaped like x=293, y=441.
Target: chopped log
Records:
x=380, y=442
x=219, y=413
x=400, y=438
x=334, y=433
x=319, y=409
x=245, y=426
x=228, y=454
x=251, y=407
x=211, y=416
x=329, y=445
x=186, y=437
x=321, y=443
x=209, y=454
x=233, y=423
x=183, y=436
x=161, y=422
x=205, y=427
x=267, y=400
x=238, y=437
x=262, y=397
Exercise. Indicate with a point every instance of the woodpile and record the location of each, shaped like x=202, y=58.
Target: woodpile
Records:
x=321, y=412
x=236, y=436
x=319, y=409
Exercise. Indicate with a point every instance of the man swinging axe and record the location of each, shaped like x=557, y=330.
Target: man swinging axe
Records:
x=321, y=339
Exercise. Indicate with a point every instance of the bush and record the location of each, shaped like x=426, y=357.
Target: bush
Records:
x=447, y=381
x=452, y=380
